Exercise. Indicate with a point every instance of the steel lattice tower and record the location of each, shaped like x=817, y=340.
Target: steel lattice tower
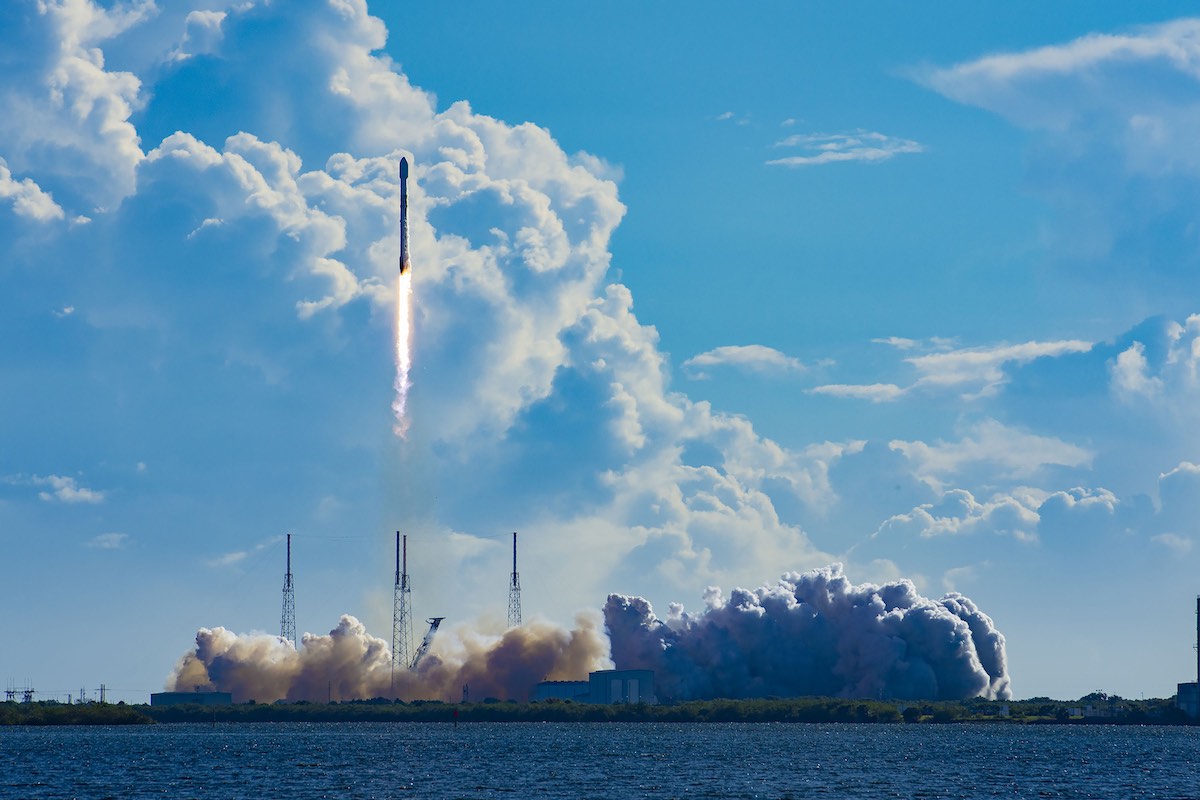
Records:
x=287, y=627
x=401, y=610
x=514, y=592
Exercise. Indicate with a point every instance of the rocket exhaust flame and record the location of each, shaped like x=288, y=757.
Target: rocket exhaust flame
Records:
x=402, y=382
x=403, y=352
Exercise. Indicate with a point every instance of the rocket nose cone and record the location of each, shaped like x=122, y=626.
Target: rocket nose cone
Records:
x=404, y=169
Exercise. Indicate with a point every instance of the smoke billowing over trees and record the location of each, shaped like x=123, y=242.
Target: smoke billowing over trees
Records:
x=349, y=663
x=814, y=634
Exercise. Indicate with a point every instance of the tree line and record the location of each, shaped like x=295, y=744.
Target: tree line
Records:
x=1091, y=709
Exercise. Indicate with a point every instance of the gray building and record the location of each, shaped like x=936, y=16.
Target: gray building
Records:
x=191, y=699
x=577, y=691
x=605, y=686
x=622, y=686
x=1188, y=699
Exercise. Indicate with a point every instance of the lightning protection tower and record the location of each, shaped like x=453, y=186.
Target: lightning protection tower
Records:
x=287, y=627
x=401, y=610
x=514, y=591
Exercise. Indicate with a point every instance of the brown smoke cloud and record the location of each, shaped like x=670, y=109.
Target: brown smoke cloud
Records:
x=350, y=664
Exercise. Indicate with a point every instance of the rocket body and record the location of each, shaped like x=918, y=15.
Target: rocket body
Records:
x=405, y=264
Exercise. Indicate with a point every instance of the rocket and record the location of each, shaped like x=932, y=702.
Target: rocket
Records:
x=404, y=260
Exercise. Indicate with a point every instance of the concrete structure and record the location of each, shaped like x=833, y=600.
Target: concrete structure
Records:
x=191, y=699
x=622, y=686
x=576, y=691
x=1187, y=696
x=606, y=686
x=1187, y=699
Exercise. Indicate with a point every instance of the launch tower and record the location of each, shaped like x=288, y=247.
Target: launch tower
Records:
x=287, y=627
x=514, y=592
x=401, y=609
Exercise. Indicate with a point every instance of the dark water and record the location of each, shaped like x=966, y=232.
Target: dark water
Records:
x=603, y=760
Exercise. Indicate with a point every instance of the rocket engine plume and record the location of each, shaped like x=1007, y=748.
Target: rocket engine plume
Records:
x=402, y=382
x=814, y=634
x=351, y=664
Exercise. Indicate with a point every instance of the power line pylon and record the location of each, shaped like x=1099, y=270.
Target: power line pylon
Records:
x=287, y=626
x=514, y=592
x=401, y=611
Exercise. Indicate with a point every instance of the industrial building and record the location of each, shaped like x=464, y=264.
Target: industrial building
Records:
x=605, y=686
x=191, y=699
x=622, y=686
x=1188, y=699
x=1187, y=696
x=576, y=691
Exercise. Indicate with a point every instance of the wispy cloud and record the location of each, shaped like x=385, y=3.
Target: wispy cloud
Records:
x=736, y=119
x=1173, y=542
x=109, y=541
x=978, y=371
x=984, y=365
x=953, y=578
x=875, y=392
x=238, y=556
x=751, y=358
x=1011, y=452
x=64, y=489
x=829, y=148
x=935, y=343
x=1058, y=86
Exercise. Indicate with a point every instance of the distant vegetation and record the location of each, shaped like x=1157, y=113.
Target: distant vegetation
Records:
x=1096, y=708
x=808, y=709
x=77, y=714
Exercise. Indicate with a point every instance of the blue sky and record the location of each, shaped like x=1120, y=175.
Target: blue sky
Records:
x=700, y=298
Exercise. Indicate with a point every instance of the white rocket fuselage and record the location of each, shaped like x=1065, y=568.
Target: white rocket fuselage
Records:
x=404, y=259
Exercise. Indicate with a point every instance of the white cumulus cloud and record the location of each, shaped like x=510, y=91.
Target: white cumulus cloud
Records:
x=65, y=489
x=751, y=358
x=28, y=199
x=958, y=513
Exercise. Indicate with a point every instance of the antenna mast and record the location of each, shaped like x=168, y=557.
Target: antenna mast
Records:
x=514, y=591
x=401, y=611
x=287, y=627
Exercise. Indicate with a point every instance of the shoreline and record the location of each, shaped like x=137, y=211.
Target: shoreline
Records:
x=1039, y=711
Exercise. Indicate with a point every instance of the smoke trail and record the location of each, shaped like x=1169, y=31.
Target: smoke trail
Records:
x=403, y=352
x=349, y=663
x=814, y=634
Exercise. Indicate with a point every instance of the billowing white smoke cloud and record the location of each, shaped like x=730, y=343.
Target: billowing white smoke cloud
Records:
x=349, y=663
x=814, y=633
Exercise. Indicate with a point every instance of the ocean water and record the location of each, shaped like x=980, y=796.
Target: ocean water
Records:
x=601, y=760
